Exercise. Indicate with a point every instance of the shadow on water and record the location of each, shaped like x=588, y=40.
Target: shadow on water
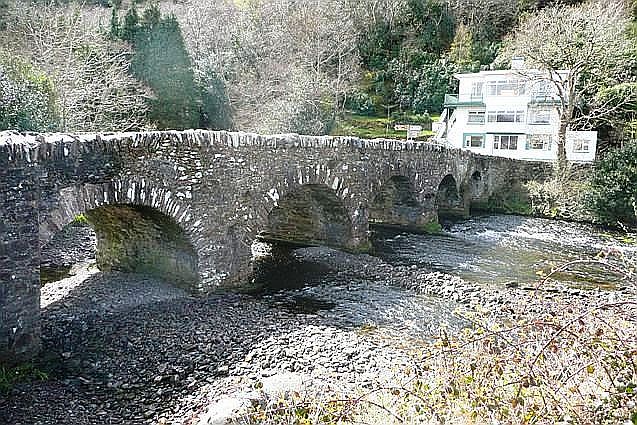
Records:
x=348, y=290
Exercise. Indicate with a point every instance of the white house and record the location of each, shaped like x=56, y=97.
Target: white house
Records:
x=511, y=113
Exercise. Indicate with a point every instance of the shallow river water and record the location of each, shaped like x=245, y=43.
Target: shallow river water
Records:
x=496, y=249
x=507, y=248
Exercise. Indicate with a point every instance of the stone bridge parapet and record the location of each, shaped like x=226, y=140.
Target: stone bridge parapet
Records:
x=188, y=206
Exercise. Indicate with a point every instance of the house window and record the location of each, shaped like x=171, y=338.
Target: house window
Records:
x=473, y=140
x=505, y=116
x=505, y=141
x=539, y=142
x=581, y=145
x=476, y=89
x=505, y=88
x=540, y=116
x=542, y=89
x=476, y=117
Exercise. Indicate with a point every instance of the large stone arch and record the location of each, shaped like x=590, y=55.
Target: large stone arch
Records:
x=139, y=228
x=310, y=215
x=328, y=177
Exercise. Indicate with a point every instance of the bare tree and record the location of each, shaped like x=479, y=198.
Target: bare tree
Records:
x=286, y=65
x=590, y=42
x=90, y=72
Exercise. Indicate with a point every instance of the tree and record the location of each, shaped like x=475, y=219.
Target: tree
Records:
x=27, y=99
x=162, y=62
x=90, y=73
x=592, y=43
x=615, y=186
x=285, y=65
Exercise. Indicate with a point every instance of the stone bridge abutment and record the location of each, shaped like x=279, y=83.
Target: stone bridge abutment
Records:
x=188, y=206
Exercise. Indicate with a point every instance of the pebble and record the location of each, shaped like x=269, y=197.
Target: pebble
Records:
x=150, y=353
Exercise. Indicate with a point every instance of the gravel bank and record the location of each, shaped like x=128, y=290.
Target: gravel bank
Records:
x=127, y=349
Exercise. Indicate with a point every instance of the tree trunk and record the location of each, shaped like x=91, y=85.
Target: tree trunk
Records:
x=561, y=145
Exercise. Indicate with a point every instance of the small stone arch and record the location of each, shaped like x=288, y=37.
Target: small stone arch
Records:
x=477, y=187
x=396, y=204
x=449, y=198
x=138, y=229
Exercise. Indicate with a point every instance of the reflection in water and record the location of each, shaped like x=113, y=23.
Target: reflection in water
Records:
x=501, y=249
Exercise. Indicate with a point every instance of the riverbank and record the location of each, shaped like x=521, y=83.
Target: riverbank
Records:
x=128, y=349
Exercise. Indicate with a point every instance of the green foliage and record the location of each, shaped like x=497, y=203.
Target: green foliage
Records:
x=614, y=185
x=514, y=201
x=404, y=118
x=4, y=6
x=404, y=58
x=361, y=103
x=432, y=227
x=367, y=127
x=162, y=62
x=27, y=97
x=560, y=199
x=80, y=220
x=26, y=372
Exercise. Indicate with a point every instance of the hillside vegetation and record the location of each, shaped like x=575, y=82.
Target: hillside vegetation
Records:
x=310, y=66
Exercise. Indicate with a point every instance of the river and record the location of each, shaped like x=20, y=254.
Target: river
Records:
x=507, y=248
x=494, y=249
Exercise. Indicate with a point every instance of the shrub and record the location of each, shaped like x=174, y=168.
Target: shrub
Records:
x=22, y=373
x=614, y=186
x=564, y=195
x=27, y=100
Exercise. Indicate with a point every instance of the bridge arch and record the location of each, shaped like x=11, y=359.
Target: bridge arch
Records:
x=396, y=203
x=450, y=200
x=309, y=215
x=137, y=229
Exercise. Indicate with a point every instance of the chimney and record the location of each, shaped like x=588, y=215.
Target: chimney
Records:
x=517, y=62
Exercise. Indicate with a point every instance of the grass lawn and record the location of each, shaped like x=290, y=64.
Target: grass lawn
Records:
x=367, y=127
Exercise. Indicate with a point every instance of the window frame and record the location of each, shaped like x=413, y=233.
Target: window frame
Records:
x=506, y=87
x=517, y=116
x=470, y=136
x=533, y=112
x=498, y=140
x=477, y=88
x=476, y=114
x=585, y=142
x=546, y=143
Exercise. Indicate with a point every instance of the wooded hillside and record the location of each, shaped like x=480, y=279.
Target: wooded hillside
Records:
x=287, y=65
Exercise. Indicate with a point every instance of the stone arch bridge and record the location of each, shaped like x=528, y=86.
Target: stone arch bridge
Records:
x=188, y=205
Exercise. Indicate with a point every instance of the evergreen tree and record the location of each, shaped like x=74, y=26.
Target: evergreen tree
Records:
x=162, y=62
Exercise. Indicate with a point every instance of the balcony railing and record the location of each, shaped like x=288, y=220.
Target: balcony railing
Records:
x=544, y=100
x=453, y=100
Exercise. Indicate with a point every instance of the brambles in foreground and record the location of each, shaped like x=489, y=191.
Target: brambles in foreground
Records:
x=546, y=360
x=568, y=368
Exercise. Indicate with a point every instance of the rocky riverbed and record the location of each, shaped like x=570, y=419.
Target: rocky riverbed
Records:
x=128, y=349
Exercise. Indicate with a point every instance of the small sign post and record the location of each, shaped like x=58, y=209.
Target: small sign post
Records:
x=413, y=131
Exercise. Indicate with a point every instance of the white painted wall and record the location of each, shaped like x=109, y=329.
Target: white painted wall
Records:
x=458, y=125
